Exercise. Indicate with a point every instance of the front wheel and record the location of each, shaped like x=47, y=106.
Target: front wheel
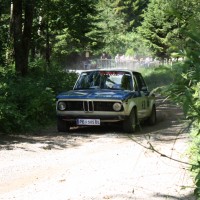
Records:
x=62, y=126
x=129, y=125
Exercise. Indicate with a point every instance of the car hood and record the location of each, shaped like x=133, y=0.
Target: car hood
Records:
x=96, y=94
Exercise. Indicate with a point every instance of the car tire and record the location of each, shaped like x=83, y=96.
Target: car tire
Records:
x=152, y=119
x=129, y=125
x=62, y=126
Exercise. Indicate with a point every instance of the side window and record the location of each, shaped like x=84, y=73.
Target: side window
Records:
x=140, y=81
x=126, y=82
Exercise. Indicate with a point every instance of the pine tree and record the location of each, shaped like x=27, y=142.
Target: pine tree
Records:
x=131, y=11
x=158, y=27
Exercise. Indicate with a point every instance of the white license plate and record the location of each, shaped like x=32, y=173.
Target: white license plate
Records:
x=89, y=122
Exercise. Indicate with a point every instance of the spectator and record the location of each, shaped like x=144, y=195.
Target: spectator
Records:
x=103, y=56
x=117, y=58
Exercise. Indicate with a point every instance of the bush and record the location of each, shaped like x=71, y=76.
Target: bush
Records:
x=195, y=158
x=29, y=102
x=185, y=91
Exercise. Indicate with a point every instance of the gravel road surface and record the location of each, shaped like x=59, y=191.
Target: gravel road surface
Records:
x=99, y=163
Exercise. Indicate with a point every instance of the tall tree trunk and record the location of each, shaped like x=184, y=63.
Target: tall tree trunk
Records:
x=28, y=22
x=47, y=38
x=22, y=33
x=9, y=49
x=47, y=46
x=17, y=34
x=0, y=13
x=11, y=19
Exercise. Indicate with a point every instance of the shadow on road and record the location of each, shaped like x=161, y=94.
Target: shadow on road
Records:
x=169, y=124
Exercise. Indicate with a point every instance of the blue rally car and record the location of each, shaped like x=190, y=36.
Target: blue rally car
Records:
x=101, y=96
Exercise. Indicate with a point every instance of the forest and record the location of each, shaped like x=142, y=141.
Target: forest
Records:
x=39, y=38
x=61, y=32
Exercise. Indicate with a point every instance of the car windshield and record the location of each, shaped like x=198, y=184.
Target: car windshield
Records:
x=105, y=80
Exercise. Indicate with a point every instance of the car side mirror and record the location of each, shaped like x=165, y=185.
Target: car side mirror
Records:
x=144, y=89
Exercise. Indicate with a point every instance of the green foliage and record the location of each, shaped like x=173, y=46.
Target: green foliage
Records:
x=195, y=157
x=157, y=27
x=112, y=29
x=166, y=24
x=4, y=20
x=158, y=78
x=29, y=102
x=70, y=24
x=186, y=13
x=185, y=91
x=116, y=21
x=131, y=11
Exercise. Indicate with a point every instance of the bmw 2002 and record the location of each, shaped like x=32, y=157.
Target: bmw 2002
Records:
x=104, y=95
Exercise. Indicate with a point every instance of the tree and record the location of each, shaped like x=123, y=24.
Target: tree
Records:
x=111, y=28
x=186, y=83
x=187, y=15
x=4, y=27
x=165, y=24
x=62, y=28
x=156, y=26
x=22, y=29
x=131, y=11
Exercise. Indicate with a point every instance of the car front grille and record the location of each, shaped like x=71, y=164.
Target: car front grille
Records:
x=89, y=106
x=74, y=105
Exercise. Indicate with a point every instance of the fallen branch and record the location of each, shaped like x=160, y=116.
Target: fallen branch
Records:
x=150, y=147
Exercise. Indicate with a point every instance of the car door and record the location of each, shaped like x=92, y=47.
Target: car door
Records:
x=141, y=87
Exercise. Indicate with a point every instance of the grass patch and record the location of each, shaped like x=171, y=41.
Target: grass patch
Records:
x=158, y=76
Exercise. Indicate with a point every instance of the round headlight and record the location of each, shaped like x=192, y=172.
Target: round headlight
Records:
x=117, y=106
x=61, y=106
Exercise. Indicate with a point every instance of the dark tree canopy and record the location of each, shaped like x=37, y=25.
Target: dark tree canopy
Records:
x=132, y=11
x=61, y=31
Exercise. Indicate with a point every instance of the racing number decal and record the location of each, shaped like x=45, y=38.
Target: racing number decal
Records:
x=143, y=105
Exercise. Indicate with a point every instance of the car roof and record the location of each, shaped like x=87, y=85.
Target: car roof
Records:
x=111, y=69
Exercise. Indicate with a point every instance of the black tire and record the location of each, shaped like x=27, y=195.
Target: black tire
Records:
x=152, y=119
x=129, y=125
x=62, y=126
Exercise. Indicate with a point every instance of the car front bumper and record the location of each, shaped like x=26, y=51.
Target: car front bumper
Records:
x=103, y=118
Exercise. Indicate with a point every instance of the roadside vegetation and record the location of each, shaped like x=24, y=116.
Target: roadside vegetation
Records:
x=28, y=103
x=39, y=39
x=158, y=77
x=185, y=91
x=180, y=83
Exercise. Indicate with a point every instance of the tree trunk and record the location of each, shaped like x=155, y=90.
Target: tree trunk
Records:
x=47, y=38
x=17, y=34
x=11, y=19
x=22, y=33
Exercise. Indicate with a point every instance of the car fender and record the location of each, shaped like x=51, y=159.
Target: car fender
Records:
x=129, y=104
x=152, y=99
x=152, y=102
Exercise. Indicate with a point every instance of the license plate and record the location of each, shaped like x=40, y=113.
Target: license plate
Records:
x=89, y=122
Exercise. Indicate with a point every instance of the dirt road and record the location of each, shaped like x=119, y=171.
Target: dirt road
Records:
x=98, y=163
